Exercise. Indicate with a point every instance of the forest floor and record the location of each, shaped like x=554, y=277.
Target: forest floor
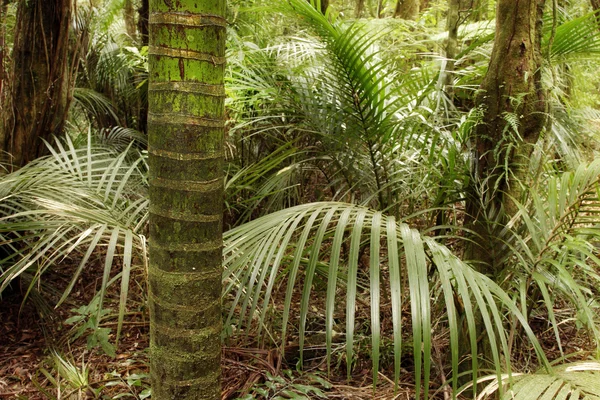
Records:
x=35, y=337
x=31, y=334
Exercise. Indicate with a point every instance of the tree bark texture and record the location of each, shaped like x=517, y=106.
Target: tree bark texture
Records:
x=360, y=7
x=143, y=14
x=452, y=44
x=41, y=76
x=186, y=128
x=407, y=9
x=324, y=6
x=129, y=17
x=511, y=90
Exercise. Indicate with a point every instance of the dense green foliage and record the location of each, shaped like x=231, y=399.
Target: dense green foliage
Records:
x=347, y=166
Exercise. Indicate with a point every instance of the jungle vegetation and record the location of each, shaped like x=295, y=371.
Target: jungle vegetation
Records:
x=411, y=197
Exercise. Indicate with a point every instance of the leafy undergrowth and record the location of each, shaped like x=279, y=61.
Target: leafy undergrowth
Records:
x=48, y=353
x=42, y=355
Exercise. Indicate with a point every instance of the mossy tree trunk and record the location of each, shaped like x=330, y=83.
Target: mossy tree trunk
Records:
x=511, y=91
x=41, y=78
x=186, y=126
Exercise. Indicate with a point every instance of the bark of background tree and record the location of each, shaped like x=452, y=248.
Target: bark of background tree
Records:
x=452, y=44
x=186, y=128
x=129, y=17
x=324, y=5
x=3, y=73
x=407, y=9
x=42, y=80
x=142, y=25
x=360, y=7
x=512, y=88
x=143, y=14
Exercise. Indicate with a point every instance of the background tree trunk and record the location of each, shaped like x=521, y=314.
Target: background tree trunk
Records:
x=4, y=87
x=143, y=14
x=186, y=127
x=129, y=17
x=452, y=44
x=324, y=5
x=360, y=7
x=511, y=89
x=407, y=9
x=41, y=89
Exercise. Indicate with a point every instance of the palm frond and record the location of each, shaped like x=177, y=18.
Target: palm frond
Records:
x=556, y=245
x=580, y=380
x=70, y=204
x=288, y=248
x=576, y=39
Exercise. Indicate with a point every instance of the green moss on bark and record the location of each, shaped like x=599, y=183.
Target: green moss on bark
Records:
x=186, y=112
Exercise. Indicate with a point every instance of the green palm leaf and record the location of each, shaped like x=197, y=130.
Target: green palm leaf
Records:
x=574, y=381
x=310, y=229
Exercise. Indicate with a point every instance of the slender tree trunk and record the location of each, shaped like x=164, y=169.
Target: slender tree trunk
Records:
x=186, y=127
x=407, y=9
x=596, y=8
x=4, y=88
x=143, y=14
x=360, y=7
x=324, y=5
x=452, y=44
x=41, y=76
x=129, y=17
x=511, y=90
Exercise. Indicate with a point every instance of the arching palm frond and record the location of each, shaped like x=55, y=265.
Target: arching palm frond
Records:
x=575, y=40
x=96, y=105
x=555, y=248
x=288, y=250
x=574, y=381
x=70, y=204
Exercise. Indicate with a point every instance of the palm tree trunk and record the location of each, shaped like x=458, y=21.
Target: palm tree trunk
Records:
x=41, y=76
x=511, y=88
x=186, y=127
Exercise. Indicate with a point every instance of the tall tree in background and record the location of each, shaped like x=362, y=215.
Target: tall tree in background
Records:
x=407, y=9
x=452, y=44
x=513, y=102
x=129, y=17
x=42, y=79
x=186, y=126
x=324, y=5
x=360, y=7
